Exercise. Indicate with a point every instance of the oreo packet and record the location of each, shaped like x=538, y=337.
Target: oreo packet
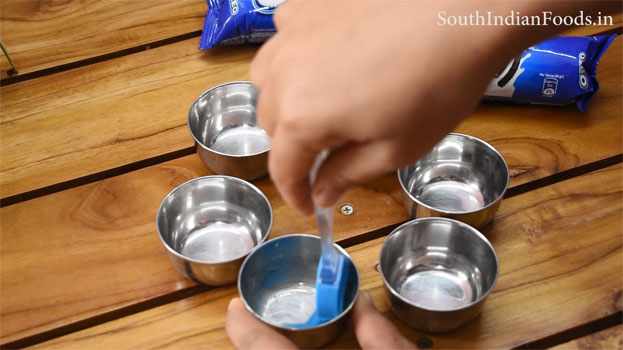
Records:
x=557, y=71
x=238, y=21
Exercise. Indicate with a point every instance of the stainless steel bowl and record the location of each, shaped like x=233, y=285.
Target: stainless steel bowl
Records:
x=462, y=178
x=209, y=225
x=437, y=272
x=277, y=283
x=224, y=125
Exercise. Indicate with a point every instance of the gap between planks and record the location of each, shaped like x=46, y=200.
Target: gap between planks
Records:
x=149, y=46
x=98, y=176
x=105, y=317
x=178, y=295
x=84, y=180
x=97, y=59
x=126, y=168
x=559, y=338
x=575, y=332
x=150, y=303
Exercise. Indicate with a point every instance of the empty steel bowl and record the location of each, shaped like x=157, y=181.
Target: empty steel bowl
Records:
x=224, y=125
x=437, y=272
x=277, y=283
x=209, y=225
x=462, y=178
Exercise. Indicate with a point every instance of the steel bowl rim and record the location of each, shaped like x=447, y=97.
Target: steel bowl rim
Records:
x=446, y=212
x=306, y=235
x=454, y=222
x=207, y=178
x=198, y=142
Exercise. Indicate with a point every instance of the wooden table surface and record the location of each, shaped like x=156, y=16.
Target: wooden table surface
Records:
x=93, y=136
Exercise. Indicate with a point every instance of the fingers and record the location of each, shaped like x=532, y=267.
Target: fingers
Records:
x=282, y=15
x=247, y=332
x=267, y=111
x=352, y=165
x=265, y=57
x=260, y=67
x=289, y=163
x=373, y=330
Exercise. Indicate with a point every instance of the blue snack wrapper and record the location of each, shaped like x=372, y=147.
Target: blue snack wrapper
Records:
x=237, y=22
x=558, y=71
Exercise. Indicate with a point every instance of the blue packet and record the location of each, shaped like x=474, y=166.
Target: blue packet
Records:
x=238, y=21
x=557, y=71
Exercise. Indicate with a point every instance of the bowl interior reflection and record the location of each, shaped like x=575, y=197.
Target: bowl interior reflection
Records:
x=223, y=119
x=438, y=264
x=460, y=175
x=278, y=280
x=215, y=219
x=435, y=279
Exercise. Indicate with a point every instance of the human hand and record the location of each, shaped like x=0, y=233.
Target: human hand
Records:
x=372, y=329
x=376, y=83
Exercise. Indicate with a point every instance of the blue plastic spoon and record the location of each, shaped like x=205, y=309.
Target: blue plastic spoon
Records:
x=331, y=273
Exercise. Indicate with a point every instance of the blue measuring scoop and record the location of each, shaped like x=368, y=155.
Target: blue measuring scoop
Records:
x=331, y=274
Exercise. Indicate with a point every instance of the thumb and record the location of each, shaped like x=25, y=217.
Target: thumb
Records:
x=373, y=330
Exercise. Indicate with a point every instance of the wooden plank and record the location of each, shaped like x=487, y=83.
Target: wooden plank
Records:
x=561, y=265
x=76, y=254
x=45, y=34
x=560, y=254
x=128, y=109
x=607, y=339
x=120, y=207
